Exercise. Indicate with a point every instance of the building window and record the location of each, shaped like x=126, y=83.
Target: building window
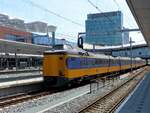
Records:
x=14, y=38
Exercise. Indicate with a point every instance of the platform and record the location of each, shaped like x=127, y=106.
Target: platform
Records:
x=22, y=78
x=139, y=100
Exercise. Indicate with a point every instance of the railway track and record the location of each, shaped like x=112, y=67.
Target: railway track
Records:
x=12, y=100
x=110, y=102
x=24, y=97
x=4, y=102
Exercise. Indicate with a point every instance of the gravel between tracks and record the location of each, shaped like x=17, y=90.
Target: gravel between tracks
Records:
x=77, y=104
x=72, y=106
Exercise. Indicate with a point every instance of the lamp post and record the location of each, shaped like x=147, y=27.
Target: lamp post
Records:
x=16, y=58
x=52, y=29
x=131, y=55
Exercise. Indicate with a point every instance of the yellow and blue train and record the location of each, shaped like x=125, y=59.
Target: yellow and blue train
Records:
x=72, y=65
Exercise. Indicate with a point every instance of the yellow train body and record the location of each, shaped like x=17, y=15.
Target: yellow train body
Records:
x=55, y=65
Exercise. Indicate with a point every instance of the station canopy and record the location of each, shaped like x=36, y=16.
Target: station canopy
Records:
x=7, y=46
x=141, y=11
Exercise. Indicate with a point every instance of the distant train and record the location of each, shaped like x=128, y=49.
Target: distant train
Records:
x=10, y=61
x=72, y=65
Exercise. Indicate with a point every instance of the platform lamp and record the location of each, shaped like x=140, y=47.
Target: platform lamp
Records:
x=131, y=52
x=52, y=29
x=16, y=58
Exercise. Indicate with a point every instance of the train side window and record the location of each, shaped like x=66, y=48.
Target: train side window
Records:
x=102, y=61
x=81, y=62
x=96, y=61
x=122, y=62
x=73, y=59
x=99, y=61
x=105, y=61
x=93, y=62
x=112, y=61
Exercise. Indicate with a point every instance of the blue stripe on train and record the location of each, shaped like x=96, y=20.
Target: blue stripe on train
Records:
x=80, y=63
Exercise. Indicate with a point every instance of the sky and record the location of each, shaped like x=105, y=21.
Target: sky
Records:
x=75, y=10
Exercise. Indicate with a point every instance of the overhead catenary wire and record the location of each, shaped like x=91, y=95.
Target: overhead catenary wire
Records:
x=69, y=37
x=65, y=35
x=52, y=12
x=109, y=19
x=119, y=8
x=55, y=14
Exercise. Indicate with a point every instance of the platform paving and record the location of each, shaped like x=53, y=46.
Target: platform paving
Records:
x=139, y=100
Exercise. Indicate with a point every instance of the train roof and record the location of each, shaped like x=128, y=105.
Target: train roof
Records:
x=123, y=58
x=137, y=58
x=78, y=51
x=101, y=56
x=65, y=49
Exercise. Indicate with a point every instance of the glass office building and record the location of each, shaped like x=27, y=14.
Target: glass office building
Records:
x=125, y=39
x=102, y=28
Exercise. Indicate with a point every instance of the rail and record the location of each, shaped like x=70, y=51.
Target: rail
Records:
x=4, y=102
x=112, y=100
